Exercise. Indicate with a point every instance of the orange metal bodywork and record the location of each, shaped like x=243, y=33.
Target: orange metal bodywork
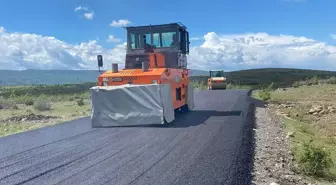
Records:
x=178, y=78
x=216, y=84
x=215, y=81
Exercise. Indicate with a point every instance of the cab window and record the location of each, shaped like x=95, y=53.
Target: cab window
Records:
x=148, y=38
x=184, y=41
x=156, y=40
x=217, y=74
x=132, y=42
x=135, y=41
x=168, y=39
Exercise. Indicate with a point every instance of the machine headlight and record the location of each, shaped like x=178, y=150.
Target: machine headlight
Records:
x=154, y=81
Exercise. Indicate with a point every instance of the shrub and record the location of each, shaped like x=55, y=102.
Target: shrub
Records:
x=42, y=105
x=332, y=80
x=323, y=81
x=313, y=160
x=302, y=83
x=7, y=104
x=80, y=102
x=314, y=80
x=24, y=99
x=76, y=96
x=230, y=86
x=265, y=94
x=200, y=85
x=12, y=96
x=272, y=87
x=296, y=84
x=29, y=101
x=15, y=107
x=43, y=97
x=71, y=98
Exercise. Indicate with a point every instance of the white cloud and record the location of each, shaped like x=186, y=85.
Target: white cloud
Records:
x=120, y=23
x=87, y=13
x=79, y=8
x=2, y=29
x=333, y=36
x=228, y=52
x=30, y=51
x=195, y=38
x=112, y=38
x=89, y=16
x=244, y=51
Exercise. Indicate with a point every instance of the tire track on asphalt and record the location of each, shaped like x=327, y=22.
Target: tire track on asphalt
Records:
x=55, y=147
x=18, y=173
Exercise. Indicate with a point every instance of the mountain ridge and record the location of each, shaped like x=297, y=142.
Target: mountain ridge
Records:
x=247, y=76
x=49, y=77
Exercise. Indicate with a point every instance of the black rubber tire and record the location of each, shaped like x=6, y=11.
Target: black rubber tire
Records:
x=185, y=108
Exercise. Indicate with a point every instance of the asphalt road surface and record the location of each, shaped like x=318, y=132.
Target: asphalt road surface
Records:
x=209, y=145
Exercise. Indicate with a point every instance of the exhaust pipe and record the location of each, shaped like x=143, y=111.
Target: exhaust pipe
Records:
x=114, y=68
x=144, y=66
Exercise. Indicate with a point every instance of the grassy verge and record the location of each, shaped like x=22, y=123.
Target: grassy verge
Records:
x=25, y=108
x=309, y=115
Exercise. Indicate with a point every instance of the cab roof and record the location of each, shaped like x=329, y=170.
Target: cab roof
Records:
x=158, y=26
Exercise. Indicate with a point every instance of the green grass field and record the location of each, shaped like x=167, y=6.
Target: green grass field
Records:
x=25, y=108
x=16, y=116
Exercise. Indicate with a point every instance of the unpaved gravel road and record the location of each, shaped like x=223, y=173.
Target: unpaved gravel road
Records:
x=209, y=145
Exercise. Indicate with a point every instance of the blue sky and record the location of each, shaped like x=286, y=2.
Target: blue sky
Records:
x=57, y=18
x=314, y=19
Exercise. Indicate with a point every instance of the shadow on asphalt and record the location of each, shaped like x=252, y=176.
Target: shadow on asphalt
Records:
x=190, y=119
x=258, y=103
x=245, y=162
x=197, y=117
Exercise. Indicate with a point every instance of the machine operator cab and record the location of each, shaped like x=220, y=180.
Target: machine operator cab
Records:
x=171, y=40
x=216, y=73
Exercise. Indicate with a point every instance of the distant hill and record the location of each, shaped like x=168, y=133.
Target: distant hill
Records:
x=28, y=77
x=253, y=77
x=282, y=77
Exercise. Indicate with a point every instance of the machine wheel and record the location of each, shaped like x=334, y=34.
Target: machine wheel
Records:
x=185, y=108
x=165, y=122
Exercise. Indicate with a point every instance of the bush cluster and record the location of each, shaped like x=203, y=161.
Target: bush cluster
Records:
x=313, y=160
x=265, y=94
x=314, y=81
x=42, y=105
x=80, y=102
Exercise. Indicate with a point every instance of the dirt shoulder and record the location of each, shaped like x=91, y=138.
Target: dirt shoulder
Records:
x=273, y=160
x=292, y=118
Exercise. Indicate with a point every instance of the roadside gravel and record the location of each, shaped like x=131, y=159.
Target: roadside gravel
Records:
x=273, y=160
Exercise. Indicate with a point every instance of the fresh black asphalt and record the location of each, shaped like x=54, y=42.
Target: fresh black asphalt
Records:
x=209, y=145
